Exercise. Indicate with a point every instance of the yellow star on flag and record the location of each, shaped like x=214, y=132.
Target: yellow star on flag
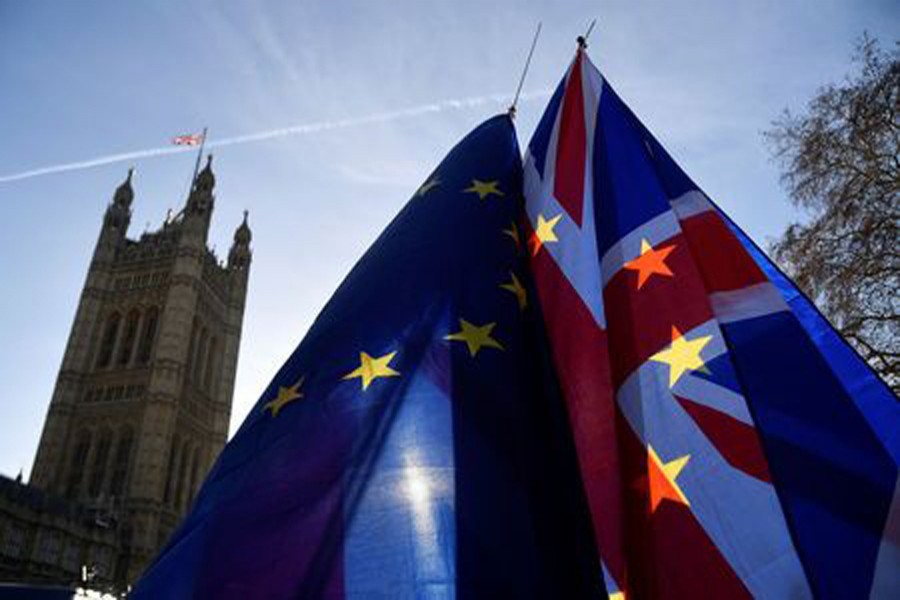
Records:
x=427, y=187
x=370, y=368
x=484, y=188
x=515, y=286
x=513, y=232
x=650, y=262
x=475, y=337
x=682, y=355
x=285, y=395
x=543, y=233
x=661, y=479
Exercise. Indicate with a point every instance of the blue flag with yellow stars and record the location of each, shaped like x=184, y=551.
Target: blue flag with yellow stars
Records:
x=413, y=445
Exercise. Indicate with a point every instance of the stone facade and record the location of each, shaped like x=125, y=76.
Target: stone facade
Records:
x=143, y=398
x=46, y=538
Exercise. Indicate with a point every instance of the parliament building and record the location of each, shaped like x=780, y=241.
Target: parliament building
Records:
x=142, y=402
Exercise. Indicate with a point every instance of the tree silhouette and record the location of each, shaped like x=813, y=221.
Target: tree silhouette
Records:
x=841, y=164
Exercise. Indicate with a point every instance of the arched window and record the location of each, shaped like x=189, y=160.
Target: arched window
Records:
x=101, y=457
x=126, y=348
x=77, y=466
x=182, y=476
x=201, y=356
x=211, y=361
x=195, y=472
x=192, y=349
x=108, y=341
x=151, y=323
x=121, y=462
x=173, y=462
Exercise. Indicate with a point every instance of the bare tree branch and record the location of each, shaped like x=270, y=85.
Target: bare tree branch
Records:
x=840, y=162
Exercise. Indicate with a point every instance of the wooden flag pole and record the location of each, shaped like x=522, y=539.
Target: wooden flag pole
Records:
x=512, y=107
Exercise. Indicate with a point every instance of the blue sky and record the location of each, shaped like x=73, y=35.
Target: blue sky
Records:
x=93, y=79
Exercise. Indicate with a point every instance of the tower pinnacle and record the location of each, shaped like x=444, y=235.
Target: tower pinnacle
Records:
x=118, y=214
x=239, y=255
x=206, y=180
x=124, y=193
x=201, y=199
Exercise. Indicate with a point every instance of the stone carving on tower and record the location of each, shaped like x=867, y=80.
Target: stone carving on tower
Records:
x=143, y=397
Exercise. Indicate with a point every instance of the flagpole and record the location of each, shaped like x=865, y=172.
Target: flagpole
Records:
x=512, y=107
x=582, y=39
x=199, y=156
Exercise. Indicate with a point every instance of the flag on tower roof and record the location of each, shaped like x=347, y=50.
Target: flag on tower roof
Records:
x=731, y=444
x=188, y=139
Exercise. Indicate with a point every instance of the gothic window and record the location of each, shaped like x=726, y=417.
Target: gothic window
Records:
x=151, y=321
x=101, y=456
x=108, y=341
x=201, y=356
x=102, y=560
x=121, y=462
x=173, y=462
x=79, y=458
x=210, y=363
x=127, y=346
x=195, y=472
x=49, y=548
x=192, y=348
x=72, y=556
x=13, y=540
x=182, y=475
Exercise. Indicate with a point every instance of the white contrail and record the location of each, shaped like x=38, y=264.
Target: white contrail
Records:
x=302, y=129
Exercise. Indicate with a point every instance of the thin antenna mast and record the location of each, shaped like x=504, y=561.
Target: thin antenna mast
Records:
x=512, y=107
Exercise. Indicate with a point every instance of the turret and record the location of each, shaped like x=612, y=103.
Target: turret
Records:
x=199, y=207
x=201, y=199
x=240, y=254
x=118, y=213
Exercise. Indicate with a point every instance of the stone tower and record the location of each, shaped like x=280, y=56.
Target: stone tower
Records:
x=143, y=398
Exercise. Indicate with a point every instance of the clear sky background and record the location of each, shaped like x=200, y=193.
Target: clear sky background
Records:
x=80, y=80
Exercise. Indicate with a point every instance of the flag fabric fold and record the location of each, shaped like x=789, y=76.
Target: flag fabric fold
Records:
x=406, y=448
x=722, y=427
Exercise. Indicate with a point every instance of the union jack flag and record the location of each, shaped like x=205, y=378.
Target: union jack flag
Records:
x=188, y=139
x=730, y=443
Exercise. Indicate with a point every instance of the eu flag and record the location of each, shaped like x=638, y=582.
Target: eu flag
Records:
x=411, y=446
x=731, y=444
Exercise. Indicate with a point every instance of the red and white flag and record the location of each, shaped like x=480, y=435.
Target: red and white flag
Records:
x=188, y=139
